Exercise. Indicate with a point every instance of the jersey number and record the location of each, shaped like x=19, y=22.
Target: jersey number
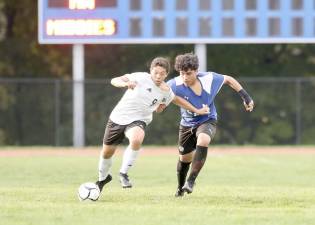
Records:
x=153, y=102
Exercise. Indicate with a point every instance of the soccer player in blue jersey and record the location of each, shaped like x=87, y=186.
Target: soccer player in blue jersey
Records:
x=197, y=131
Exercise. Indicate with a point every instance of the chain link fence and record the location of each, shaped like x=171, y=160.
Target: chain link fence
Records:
x=39, y=112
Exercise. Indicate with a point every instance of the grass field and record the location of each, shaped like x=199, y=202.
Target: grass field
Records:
x=232, y=189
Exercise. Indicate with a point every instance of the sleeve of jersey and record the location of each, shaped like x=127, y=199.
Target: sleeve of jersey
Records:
x=217, y=83
x=133, y=76
x=171, y=83
x=169, y=97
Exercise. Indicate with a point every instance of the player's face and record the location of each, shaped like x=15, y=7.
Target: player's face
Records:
x=189, y=77
x=158, y=75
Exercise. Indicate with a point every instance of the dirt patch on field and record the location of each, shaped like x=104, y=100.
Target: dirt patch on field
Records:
x=165, y=150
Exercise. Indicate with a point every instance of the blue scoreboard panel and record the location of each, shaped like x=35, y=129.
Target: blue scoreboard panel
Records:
x=176, y=21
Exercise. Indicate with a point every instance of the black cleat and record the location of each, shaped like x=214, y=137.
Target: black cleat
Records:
x=124, y=180
x=188, y=187
x=101, y=184
x=179, y=193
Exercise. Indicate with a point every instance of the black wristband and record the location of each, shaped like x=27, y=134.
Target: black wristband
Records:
x=245, y=96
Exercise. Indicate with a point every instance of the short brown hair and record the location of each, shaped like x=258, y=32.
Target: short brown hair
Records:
x=185, y=62
x=162, y=62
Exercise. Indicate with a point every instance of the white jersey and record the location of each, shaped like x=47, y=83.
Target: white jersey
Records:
x=140, y=103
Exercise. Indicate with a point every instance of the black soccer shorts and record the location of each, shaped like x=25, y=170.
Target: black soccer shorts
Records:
x=115, y=133
x=187, y=140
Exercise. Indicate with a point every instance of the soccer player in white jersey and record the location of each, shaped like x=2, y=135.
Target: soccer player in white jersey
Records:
x=145, y=94
x=196, y=131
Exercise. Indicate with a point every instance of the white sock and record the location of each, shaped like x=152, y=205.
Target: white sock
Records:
x=104, y=166
x=129, y=158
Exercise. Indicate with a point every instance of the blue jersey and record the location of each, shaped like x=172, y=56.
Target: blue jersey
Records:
x=211, y=84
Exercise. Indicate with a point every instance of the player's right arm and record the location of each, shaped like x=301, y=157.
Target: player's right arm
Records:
x=123, y=81
x=188, y=106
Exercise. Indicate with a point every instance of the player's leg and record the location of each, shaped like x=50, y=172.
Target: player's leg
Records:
x=205, y=132
x=135, y=134
x=114, y=134
x=183, y=165
x=105, y=164
x=198, y=161
x=187, y=142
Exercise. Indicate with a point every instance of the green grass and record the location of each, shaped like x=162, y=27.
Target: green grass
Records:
x=231, y=189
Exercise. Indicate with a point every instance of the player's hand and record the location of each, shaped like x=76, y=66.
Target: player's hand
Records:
x=250, y=106
x=204, y=110
x=160, y=108
x=131, y=84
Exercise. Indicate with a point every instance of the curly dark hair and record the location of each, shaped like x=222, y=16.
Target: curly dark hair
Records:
x=188, y=61
x=162, y=62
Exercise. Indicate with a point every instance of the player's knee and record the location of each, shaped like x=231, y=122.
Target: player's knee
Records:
x=136, y=142
x=186, y=158
x=108, y=151
x=203, y=139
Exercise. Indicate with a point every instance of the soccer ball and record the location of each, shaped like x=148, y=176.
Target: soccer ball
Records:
x=88, y=191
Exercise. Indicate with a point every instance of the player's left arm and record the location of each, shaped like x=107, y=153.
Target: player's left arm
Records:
x=162, y=106
x=188, y=106
x=234, y=84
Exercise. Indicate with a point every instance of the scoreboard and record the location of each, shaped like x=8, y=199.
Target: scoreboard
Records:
x=176, y=21
x=76, y=21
